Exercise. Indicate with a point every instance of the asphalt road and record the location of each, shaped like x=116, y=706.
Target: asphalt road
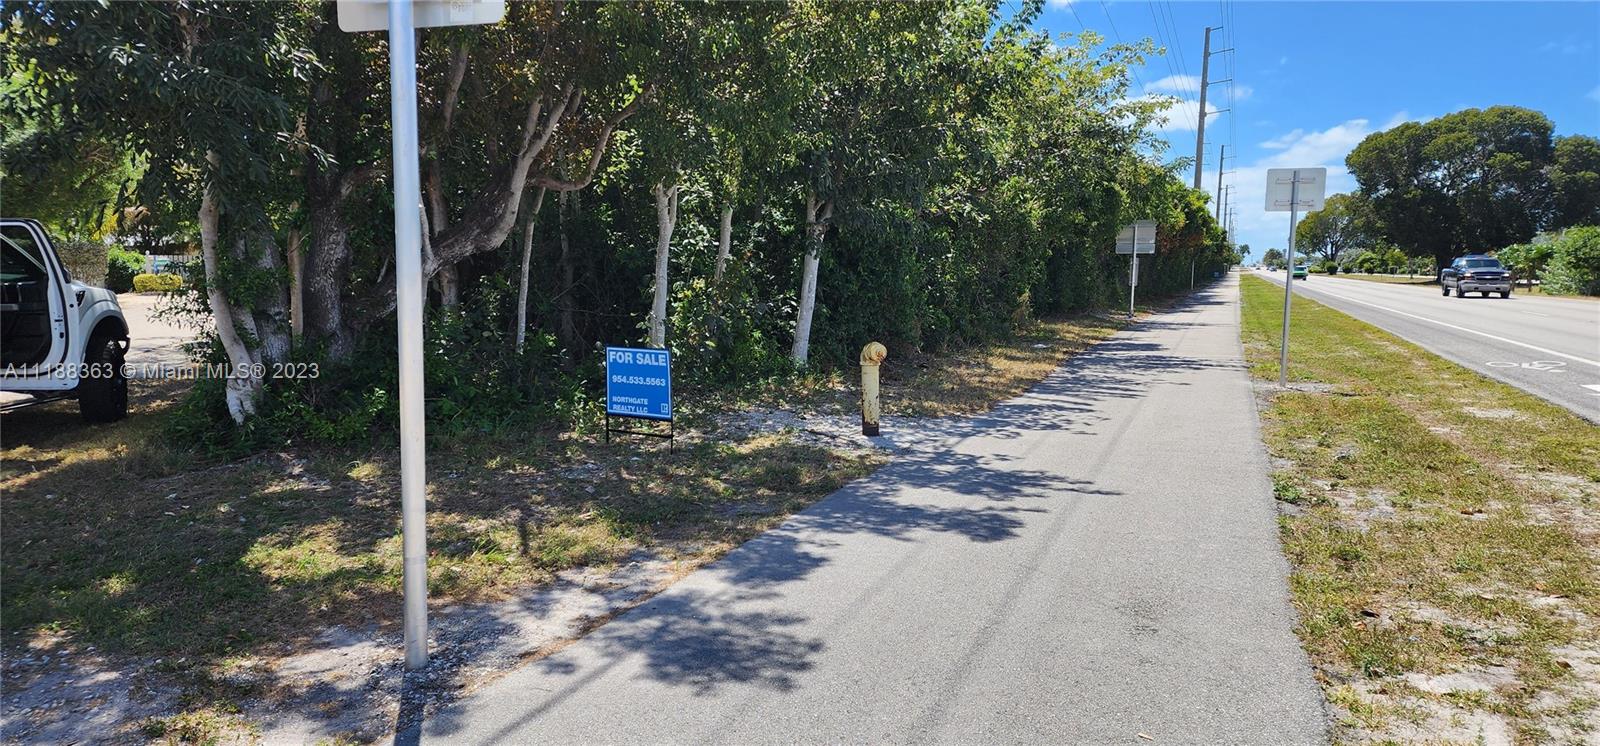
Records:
x=1094, y=560
x=1549, y=347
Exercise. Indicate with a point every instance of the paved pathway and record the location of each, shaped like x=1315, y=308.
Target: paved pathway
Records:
x=1091, y=561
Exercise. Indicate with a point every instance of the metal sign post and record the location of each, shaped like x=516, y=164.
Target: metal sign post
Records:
x=1138, y=237
x=397, y=17
x=1292, y=189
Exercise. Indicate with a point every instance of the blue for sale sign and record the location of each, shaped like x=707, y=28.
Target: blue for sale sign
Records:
x=639, y=383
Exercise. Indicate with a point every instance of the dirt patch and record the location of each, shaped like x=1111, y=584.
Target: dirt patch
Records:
x=1364, y=507
x=1492, y=414
x=351, y=683
x=56, y=692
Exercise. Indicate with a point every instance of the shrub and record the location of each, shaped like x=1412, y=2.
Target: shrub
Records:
x=121, y=266
x=1527, y=260
x=163, y=283
x=85, y=260
x=1574, y=267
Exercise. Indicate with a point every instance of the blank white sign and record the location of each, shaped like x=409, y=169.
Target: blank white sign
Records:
x=373, y=15
x=1282, y=183
x=1146, y=234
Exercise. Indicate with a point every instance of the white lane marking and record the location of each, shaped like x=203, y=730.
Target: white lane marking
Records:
x=1548, y=366
x=1547, y=351
x=1536, y=313
x=1595, y=387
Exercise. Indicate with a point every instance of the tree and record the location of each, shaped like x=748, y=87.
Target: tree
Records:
x=1344, y=223
x=934, y=173
x=1527, y=260
x=204, y=96
x=1273, y=259
x=1575, y=180
x=1469, y=181
x=1244, y=252
x=1575, y=264
x=870, y=124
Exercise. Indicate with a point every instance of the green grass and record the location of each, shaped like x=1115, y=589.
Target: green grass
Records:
x=214, y=561
x=1424, y=538
x=1393, y=279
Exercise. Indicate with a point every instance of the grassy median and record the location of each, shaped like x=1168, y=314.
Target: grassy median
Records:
x=1444, y=532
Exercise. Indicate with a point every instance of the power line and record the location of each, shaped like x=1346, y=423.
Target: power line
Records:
x=1114, y=33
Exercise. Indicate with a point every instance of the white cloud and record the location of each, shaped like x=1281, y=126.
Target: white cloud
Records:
x=1284, y=140
x=1399, y=118
x=1326, y=148
x=1060, y=3
x=1178, y=84
x=1284, y=60
x=1595, y=94
x=1189, y=85
x=1183, y=116
x=1568, y=46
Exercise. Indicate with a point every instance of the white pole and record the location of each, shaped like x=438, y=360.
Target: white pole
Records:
x=1133, y=269
x=1288, y=282
x=408, y=312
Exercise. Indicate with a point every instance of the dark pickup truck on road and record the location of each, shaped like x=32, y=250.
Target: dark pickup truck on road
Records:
x=1475, y=272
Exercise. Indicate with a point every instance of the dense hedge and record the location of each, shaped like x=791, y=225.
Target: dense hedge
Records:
x=145, y=282
x=1574, y=266
x=121, y=267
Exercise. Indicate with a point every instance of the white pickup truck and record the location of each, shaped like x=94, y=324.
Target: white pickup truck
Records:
x=59, y=338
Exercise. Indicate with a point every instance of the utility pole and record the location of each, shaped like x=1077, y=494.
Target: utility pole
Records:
x=1205, y=83
x=1222, y=162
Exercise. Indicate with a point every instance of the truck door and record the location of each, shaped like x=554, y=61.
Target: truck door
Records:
x=33, y=323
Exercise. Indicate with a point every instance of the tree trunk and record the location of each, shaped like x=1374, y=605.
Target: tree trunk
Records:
x=527, y=259
x=297, y=307
x=724, y=241
x=666, y=220
x=269, y=311
x=242, y=387
x=327, y=269
x=817, y=216
x=448, y=280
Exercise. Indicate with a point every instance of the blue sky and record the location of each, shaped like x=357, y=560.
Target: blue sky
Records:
x=1311, y=79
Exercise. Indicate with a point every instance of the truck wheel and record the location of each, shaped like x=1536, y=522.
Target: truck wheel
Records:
x=1445, y=288
x=103, y=395
x=1505, y=293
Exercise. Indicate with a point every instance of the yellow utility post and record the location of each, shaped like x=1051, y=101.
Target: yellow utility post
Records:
x=871, y=357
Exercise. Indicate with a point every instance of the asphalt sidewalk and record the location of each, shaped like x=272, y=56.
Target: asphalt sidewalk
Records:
x=1091, y=561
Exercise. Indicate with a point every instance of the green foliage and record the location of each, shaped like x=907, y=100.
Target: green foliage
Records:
x=1575, y=182
x=1273, y=258
x=1574, y=267
x=121, y=266
x=1468, y=181
x=725, y=334
x=1382, y=260
x=1527, y=260
x=85, y=260
x=1344, y=223
x=976, y=171
x=162, y=283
